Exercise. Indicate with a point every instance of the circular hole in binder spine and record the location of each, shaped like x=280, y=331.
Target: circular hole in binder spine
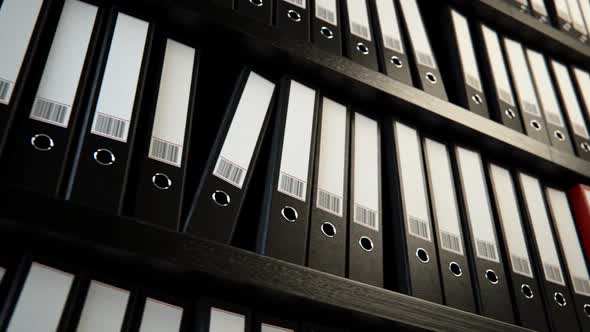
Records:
x=492, y=277
x=455, y=269
x=42, y=142
x=536, y=125
x=366, y=243
x=559, y=135
x=477, y=99
x=326, y=32
x=294, y=16
x=396, y=61
x=422, y=255
x=587, y=309
x=362, y=48
x=559, y=299
x=257, y=3
x=328, y=229
x=221, y=198
x=585, y=146
x=104, y=157
x=527, y=291
x=431, y=78
x=289, y=214
x=161, y=181
x=510, y=113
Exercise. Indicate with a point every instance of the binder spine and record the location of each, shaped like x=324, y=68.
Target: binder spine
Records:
x=293, y=18
x=539, y=11
x=326, y=26
x=260, y=10
x=360, y=39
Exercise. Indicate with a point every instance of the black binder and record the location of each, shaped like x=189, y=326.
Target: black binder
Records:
x=526, y=292
x=217, y=316
x=224, y=184
x=101, y=165
x=326, y=26
x=365, y=227
x=358, y=34
x=329, y=212
x=293, y=18
x=260, y=10
x=284, y=220
x=488, y=267
x=163, y=166
x=582, y=87
x=43, y=132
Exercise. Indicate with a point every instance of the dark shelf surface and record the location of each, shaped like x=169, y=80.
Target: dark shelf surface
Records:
x=185, y=260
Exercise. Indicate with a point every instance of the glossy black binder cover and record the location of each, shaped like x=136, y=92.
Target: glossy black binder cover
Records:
x=292, y=20
x=353, y=47
x=262, y=13
x=327, y=36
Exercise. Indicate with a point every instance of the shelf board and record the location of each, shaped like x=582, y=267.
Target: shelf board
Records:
x=53, y=223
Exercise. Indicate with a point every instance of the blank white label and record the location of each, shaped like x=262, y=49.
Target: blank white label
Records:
x=61, y=75
x=466, y=51
x=294, y=169
x=545, y=88
x=577, y=18
x=477, y=201
x=522, y=77
x=572, y=107
x=540, y=223
x=271, y=328
x=417, y=32
x=412, y=181
x=568, y=237
x=244, y=130
x=539, y=7
x=17, y=22
x=367, y=173
x=298, y=3
x=104, y=308
x=226, y=321
x=585, y=8
x=326, y=11
x=116, y=99
x=42, y=300
x=160, y=317
x=358, y=17
x=583, y=80
x=389, y=24
x=173, y=104
x=444, y=197
x=332, y=158
x=511, y=220
x=498, y=65
x=563, y=11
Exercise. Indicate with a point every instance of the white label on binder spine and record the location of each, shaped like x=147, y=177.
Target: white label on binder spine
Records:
x=389, y=24
x=326, y=11
x=576, y=15
x=160, y=317
x=568, y=237
x=41, y=301
x=367, y=173
x=583, y=80
x=412, y=181
x=2, y=272
x=522, y=77
x=244, y=131
x=417, y=32
x=574, y=112
x=272, y=328
x=466, y=50
x=477, y=201
x=585, y=8
x=498, y=65
x=547, y=96
x=226, y=321
x=294, y=169
x=511, y=220
x=173, y=104
x=540, y=223
x=332, y=158
x=444, y=197
x=298, y=3
x=104, y=308
x=17, y=22
x=563, y=11
x=358, y=17
x=539, y=7
x=116, y=99
x=61, y=76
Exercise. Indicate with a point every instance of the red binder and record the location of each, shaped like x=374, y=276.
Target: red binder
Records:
x=580, y=201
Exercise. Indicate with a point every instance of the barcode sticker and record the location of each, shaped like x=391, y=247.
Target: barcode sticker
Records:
x=581, y=286
x=5, y=91
x=522, y=77
x=165, y=151
x=554, y=118
x=498, y=65
x=358, y=17
x=108, y=126
x=474, y=82
x=506, y=96
x=426, y=59
x=298, y=3
x=553, y=274
x=230, y=172
x=360, y=30
x=50, y=112
x=521, y=265
x=451, y=242
x=545, y=88
x=325, y=10
x=418, y=35
x=329, y=202
x=366, y=217
x=466, y=51
x=292, y=186
x=392, y=43
x=389, y=25
x=419, y=228
x=531, y=108
x=487, y=250
x=572, y=107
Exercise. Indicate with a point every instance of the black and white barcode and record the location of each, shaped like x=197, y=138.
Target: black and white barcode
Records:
x=474, y=82
x=230, y=172
x=554, y=118
x=451, y=242
x=425, y=59
x=553, y=273
x=165, y=151
x=531, y=108
x=299, y=3
x=325, y=14
x=360, y=30
x=486, y=250
x=4, y=90
x=580, y=130
x=110, y=126
x=366, y=217
x=292, y=186
x=582, y=286
x=506, y=96
x=419, y=228
x=330, y=203
x=521, y=265
x=49, y=111
x=393, y=43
